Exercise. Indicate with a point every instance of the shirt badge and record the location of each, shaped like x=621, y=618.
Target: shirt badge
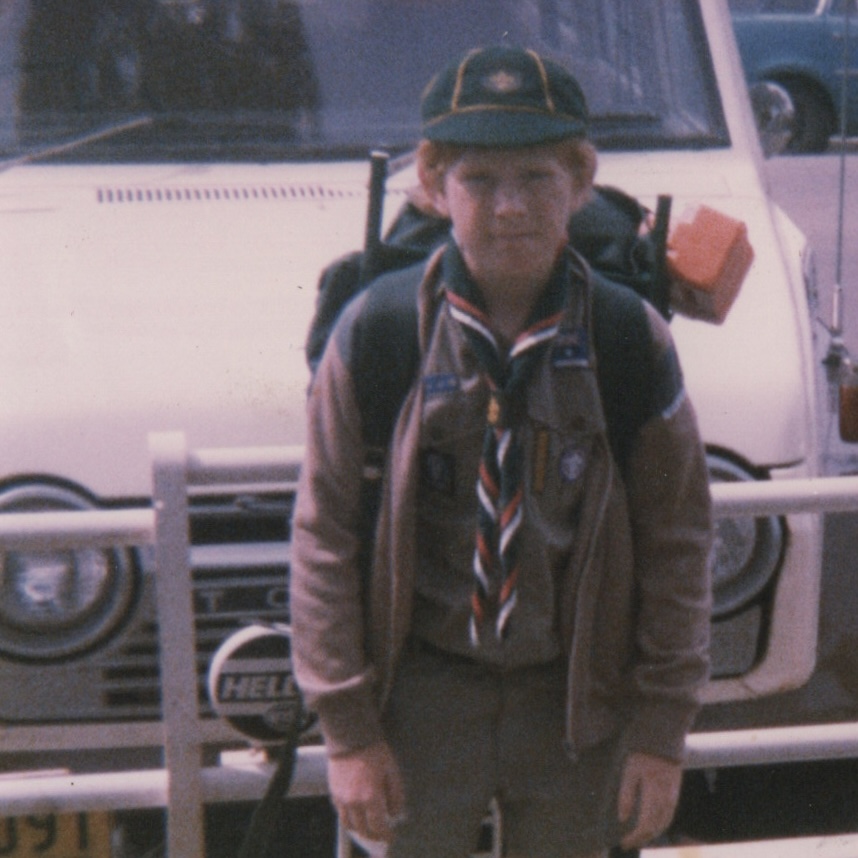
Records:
x=572, y=464
x=502, y=82
x=440, y=385
x=571, y=348
x=438, y=471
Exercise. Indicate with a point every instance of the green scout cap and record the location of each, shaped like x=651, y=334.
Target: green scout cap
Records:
x=503, y=96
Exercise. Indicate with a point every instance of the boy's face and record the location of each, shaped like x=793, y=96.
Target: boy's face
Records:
x=510, y=210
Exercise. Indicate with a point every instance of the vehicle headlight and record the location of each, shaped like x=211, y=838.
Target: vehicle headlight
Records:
x=59, y=603
x=747, y=550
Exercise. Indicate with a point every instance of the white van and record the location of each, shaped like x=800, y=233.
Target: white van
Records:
x=174, y=174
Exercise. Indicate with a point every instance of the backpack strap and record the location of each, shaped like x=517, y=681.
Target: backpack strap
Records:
x=384, y=361
x=266, y=833
x=635, y=381
x=385, y=351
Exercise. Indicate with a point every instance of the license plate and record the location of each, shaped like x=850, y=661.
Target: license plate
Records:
x=73, y=835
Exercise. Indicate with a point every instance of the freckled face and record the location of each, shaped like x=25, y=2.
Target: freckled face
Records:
x=510, y=210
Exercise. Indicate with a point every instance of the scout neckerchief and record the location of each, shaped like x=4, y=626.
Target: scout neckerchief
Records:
x=500, y=489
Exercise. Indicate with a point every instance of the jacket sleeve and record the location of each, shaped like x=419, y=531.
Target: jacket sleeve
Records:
x=326, y=599
x=671, y=520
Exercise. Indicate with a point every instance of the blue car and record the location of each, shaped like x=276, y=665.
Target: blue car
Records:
x=803, y=46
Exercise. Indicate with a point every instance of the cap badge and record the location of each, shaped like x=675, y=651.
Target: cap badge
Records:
x=502, y=82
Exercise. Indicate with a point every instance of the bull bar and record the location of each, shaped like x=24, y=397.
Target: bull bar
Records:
x=184, y=785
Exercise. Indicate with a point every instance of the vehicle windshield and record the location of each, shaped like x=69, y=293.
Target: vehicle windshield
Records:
x=262, y=80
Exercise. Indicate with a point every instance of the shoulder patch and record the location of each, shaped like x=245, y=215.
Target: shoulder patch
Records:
x=440, y=385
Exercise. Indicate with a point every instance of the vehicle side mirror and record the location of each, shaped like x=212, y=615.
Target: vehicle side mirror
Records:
x=774, y=114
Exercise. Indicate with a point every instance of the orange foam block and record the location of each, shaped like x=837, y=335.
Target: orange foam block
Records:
x=708, y=257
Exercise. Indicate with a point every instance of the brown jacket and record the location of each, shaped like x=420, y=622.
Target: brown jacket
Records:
x=634, y=600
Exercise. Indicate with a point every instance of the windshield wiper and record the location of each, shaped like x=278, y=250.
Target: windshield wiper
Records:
x=74, y=143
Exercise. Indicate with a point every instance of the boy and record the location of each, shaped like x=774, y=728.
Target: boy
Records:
x=534, y=627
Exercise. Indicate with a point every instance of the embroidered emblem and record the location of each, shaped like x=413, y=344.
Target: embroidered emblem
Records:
x=440, y=385
x=572, y=464
x=571, y=348
x=438, y=471
x=502, y=82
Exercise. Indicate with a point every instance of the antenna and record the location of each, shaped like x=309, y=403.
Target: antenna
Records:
x=838, y=355
x=378, y=169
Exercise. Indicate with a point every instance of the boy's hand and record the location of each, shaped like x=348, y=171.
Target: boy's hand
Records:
x=649, y=793
x=366, y=788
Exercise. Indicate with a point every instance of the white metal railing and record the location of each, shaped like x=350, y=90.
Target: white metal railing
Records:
x=782, y=497
x=242, y=779
x=184, y=785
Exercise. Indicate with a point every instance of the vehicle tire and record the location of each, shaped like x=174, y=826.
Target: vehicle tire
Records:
x=814, y=121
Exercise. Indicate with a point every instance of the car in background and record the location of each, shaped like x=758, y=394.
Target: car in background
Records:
x=802, y=47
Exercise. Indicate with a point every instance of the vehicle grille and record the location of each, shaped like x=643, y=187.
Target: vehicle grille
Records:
x=240, y=573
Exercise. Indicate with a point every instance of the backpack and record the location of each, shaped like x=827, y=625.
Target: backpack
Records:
x=608, y=232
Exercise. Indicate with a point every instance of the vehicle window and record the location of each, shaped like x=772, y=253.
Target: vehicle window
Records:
x=284, y=79
x=791, y=7
x=775, y=7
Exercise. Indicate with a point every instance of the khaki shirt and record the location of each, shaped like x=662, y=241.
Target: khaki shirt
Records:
x=557, y=440
x=633, y=602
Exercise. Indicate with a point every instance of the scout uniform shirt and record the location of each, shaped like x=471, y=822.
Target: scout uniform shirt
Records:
x=560, y=421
